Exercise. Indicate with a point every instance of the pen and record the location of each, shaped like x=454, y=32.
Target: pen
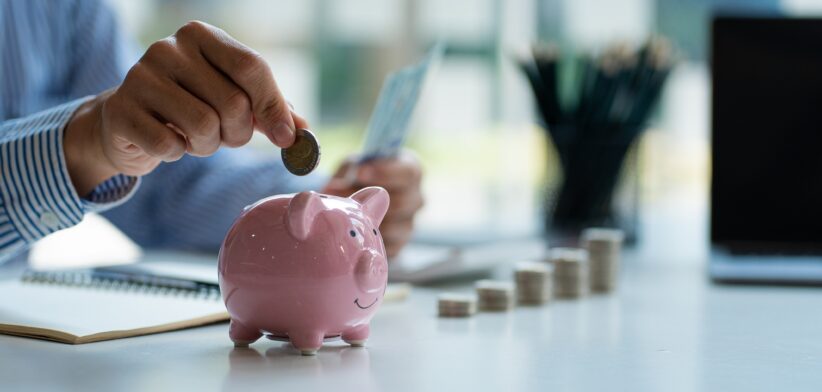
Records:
x=105, y=273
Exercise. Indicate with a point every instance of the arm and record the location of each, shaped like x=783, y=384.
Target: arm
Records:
x=190, y=204
x=36, y=194
x=188, y=94
x=157, y=216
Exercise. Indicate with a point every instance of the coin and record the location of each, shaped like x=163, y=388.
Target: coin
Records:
x=304, y=155
x=570, y=272
x=534, y=283
x=604, y=247
x=456, y=305
x=494, y=295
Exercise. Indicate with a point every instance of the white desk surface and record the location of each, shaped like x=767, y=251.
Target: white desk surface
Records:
x=666, y=329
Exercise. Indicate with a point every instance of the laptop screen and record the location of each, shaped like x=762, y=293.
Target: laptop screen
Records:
x=766, y=186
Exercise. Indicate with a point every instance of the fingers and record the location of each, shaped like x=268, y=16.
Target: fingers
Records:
x=404, y=205
x=401, y=172
x=226, y=98
x=247, y=69
x=198, y=123
x=398, y=225
x=339, y=187
x=395, y=235
x=192, y=92
x=401, y=177
x=152, y=137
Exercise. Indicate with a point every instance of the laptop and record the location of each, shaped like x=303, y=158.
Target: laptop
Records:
x=766, y=185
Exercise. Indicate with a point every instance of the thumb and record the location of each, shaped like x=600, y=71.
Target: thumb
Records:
x=282, y=134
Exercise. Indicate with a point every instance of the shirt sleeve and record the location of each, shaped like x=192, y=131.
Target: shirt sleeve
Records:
x=102, y=52
x=36, y=193
x=190, y=204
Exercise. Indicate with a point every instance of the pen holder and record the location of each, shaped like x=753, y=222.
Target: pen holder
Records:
x=593, y=108
x=596, y=186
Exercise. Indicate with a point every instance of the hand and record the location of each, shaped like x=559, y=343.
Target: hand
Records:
x=401, y=177
x=190, y=93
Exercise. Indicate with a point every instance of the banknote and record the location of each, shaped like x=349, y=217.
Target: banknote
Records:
x=389, y=123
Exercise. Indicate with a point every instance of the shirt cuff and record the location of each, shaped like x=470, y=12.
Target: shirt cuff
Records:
x=38, y=197
x=111, y=193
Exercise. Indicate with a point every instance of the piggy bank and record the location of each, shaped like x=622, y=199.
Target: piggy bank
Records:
x=305, y=268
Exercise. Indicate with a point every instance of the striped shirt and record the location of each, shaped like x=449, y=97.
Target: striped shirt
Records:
x=55, y=56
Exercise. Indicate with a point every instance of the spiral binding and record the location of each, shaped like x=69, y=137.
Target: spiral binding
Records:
x=87, y=279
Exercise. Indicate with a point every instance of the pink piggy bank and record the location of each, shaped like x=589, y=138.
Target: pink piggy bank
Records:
x=305, y=268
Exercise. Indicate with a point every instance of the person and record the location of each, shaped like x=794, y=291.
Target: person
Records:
x=149, y=142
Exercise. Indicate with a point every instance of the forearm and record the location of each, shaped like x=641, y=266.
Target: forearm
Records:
x=37, y=196
x=190, y=204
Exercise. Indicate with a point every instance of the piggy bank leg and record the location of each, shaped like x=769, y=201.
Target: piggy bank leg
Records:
x=241, y=335
x=357, y=336
x=307, y=342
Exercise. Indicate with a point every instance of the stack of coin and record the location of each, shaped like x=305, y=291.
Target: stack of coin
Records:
x=603, y=246
x=495, y=296
x=456, y=305
x=533, y=283
x=570, y=272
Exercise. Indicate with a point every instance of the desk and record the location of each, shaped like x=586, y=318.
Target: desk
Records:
x=667, y=329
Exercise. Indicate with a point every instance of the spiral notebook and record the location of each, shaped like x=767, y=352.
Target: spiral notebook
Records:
x=91, y=305
x=78, y=307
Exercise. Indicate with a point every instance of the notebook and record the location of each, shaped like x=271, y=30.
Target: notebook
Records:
x=70, y=307
x=90, y=305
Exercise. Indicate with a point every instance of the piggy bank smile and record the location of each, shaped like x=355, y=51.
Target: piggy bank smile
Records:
x=359, y=305
x=293, y=263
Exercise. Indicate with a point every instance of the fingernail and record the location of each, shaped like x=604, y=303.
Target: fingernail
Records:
x=284, y=135
x=366, y=174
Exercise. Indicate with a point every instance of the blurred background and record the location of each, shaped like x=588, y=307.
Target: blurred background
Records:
x=487, y=162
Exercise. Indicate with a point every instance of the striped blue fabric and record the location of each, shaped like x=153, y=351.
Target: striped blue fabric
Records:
x=55, y=54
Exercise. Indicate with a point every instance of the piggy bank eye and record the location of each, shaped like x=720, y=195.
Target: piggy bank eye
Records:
x=353, y=233
x=375, y=231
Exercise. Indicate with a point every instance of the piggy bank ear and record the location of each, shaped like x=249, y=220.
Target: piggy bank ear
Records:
x=302, y=212
x=374, y=201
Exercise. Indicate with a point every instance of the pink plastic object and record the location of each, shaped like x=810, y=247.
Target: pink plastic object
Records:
x=305, y=268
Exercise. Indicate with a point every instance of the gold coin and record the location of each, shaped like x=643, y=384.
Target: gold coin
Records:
x=304, y=155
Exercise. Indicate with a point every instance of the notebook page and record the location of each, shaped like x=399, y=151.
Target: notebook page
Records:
x=83, y=311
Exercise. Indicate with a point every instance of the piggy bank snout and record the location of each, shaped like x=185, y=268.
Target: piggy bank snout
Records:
x=371, y=271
